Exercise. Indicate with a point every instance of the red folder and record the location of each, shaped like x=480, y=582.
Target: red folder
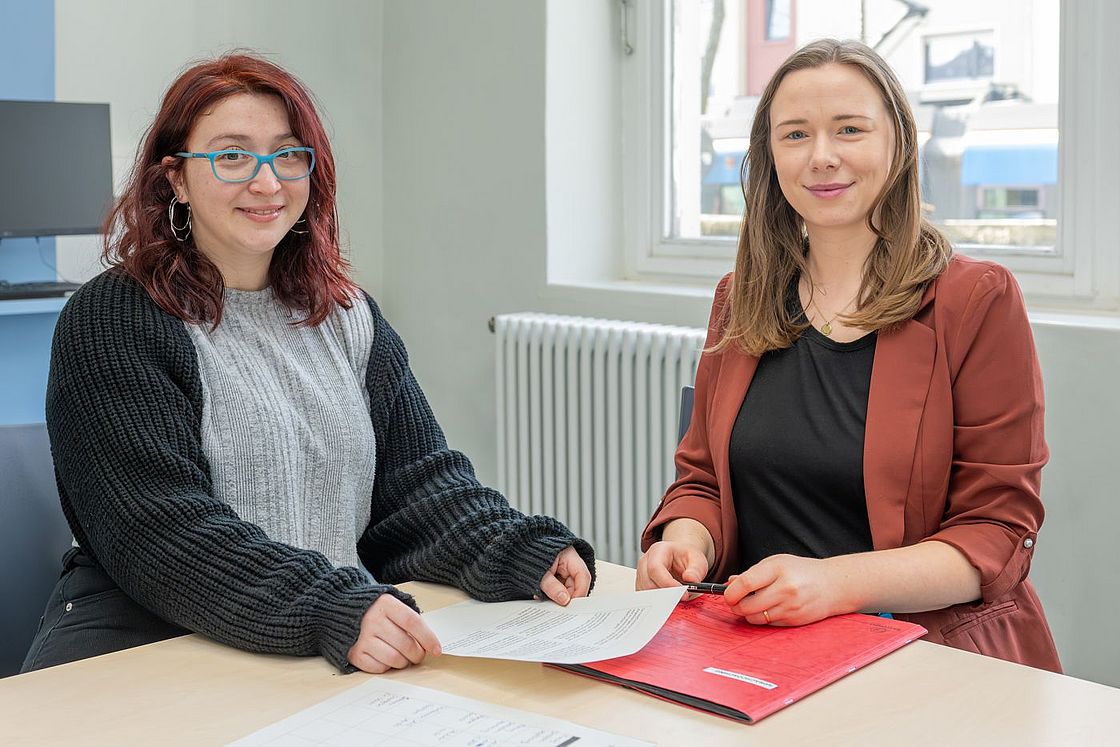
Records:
x=709, y=658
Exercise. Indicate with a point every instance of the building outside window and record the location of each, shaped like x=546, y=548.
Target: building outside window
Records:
x=979, y=131
x=954, y=57
x=982, y=78
x=777, y=19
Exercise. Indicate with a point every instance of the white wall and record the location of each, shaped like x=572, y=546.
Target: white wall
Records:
x=465, y=221
x=127, y=52
x=468, y=181
x=1075, y=566
x=583, y=155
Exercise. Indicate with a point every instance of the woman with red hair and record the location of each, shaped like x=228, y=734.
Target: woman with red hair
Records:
x=240, y=446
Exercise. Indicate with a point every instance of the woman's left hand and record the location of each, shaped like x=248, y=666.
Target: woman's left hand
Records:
x=786, y=590
x=567, y=578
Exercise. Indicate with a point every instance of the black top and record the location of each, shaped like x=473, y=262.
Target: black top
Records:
x=796, y=449
x=124, y=411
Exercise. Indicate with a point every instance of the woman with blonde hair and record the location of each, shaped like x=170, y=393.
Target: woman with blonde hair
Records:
x=867, y=434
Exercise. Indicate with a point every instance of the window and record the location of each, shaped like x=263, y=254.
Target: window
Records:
x=777, y=19
x=954, y=57
x=1004, y=200
x=983, y=79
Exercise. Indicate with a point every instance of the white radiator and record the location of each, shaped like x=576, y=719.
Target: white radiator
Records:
x=587, y=420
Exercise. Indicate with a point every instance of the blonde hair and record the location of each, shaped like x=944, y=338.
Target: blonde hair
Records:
x=908, y=254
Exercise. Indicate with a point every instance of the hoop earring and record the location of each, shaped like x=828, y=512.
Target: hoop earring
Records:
x=171, y=219
x=293, y=228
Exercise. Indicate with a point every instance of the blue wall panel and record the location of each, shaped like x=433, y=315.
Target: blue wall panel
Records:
x=24, y=361
x=27, y=259
x=27, y=50
x=26, y=73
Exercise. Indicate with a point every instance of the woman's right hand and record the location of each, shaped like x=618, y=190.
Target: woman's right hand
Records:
x=671, y=563
x=392, y=636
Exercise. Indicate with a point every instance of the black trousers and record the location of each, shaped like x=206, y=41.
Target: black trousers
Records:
x=89, y=615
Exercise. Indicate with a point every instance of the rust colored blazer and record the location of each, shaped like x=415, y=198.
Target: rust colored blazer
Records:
x=953, y=451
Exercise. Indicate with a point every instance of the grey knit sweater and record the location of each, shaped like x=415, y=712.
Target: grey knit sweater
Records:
x=285, y=420
x=124, y=410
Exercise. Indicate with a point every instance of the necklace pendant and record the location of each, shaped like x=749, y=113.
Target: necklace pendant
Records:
x=826, y=330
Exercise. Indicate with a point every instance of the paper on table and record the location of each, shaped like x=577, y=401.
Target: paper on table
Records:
x=589, y=629
x=383, y=712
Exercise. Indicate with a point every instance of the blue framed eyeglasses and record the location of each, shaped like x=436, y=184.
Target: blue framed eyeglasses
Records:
x=234, y=165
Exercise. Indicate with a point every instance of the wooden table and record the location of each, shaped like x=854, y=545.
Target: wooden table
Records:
x=190, y=690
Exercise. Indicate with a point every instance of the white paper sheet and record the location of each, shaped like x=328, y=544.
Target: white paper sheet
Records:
x=589, y=629
x=386, y=713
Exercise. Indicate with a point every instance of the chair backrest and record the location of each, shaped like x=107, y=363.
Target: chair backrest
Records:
x=33, y=537
x=688, y=393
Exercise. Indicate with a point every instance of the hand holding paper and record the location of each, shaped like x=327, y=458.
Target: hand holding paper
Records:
x=392, y=636
x=588, y=629
x=567, y=578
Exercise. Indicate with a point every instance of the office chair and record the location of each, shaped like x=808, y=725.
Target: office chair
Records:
x=33, y=537
x=688, y=394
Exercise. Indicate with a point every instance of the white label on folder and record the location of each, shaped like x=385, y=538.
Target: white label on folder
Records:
x=741, y=677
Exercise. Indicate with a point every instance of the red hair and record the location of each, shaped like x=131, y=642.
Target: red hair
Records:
x=308, y=272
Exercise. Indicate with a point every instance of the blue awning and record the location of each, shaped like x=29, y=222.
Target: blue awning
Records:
x=724, y=168
x=1010, y=164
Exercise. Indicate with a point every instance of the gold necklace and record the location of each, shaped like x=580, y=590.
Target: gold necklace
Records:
x=826, y=329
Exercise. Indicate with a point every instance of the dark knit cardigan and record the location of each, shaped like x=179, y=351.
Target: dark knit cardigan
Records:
x=124, y=412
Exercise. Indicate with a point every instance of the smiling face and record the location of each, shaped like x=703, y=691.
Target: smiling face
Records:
x=832, y=142
x=239, y=225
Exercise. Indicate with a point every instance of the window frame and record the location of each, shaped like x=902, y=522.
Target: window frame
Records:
x=1082, y=272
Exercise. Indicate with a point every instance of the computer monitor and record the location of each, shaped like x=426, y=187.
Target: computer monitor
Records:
x=56, y=174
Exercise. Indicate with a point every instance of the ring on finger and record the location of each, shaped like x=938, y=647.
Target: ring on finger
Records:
x=766, y=614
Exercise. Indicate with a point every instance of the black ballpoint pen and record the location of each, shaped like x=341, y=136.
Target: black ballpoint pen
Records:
x=705, y=588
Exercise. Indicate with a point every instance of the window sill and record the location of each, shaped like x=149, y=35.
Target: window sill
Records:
x=1077, y=320
x=688, y=305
